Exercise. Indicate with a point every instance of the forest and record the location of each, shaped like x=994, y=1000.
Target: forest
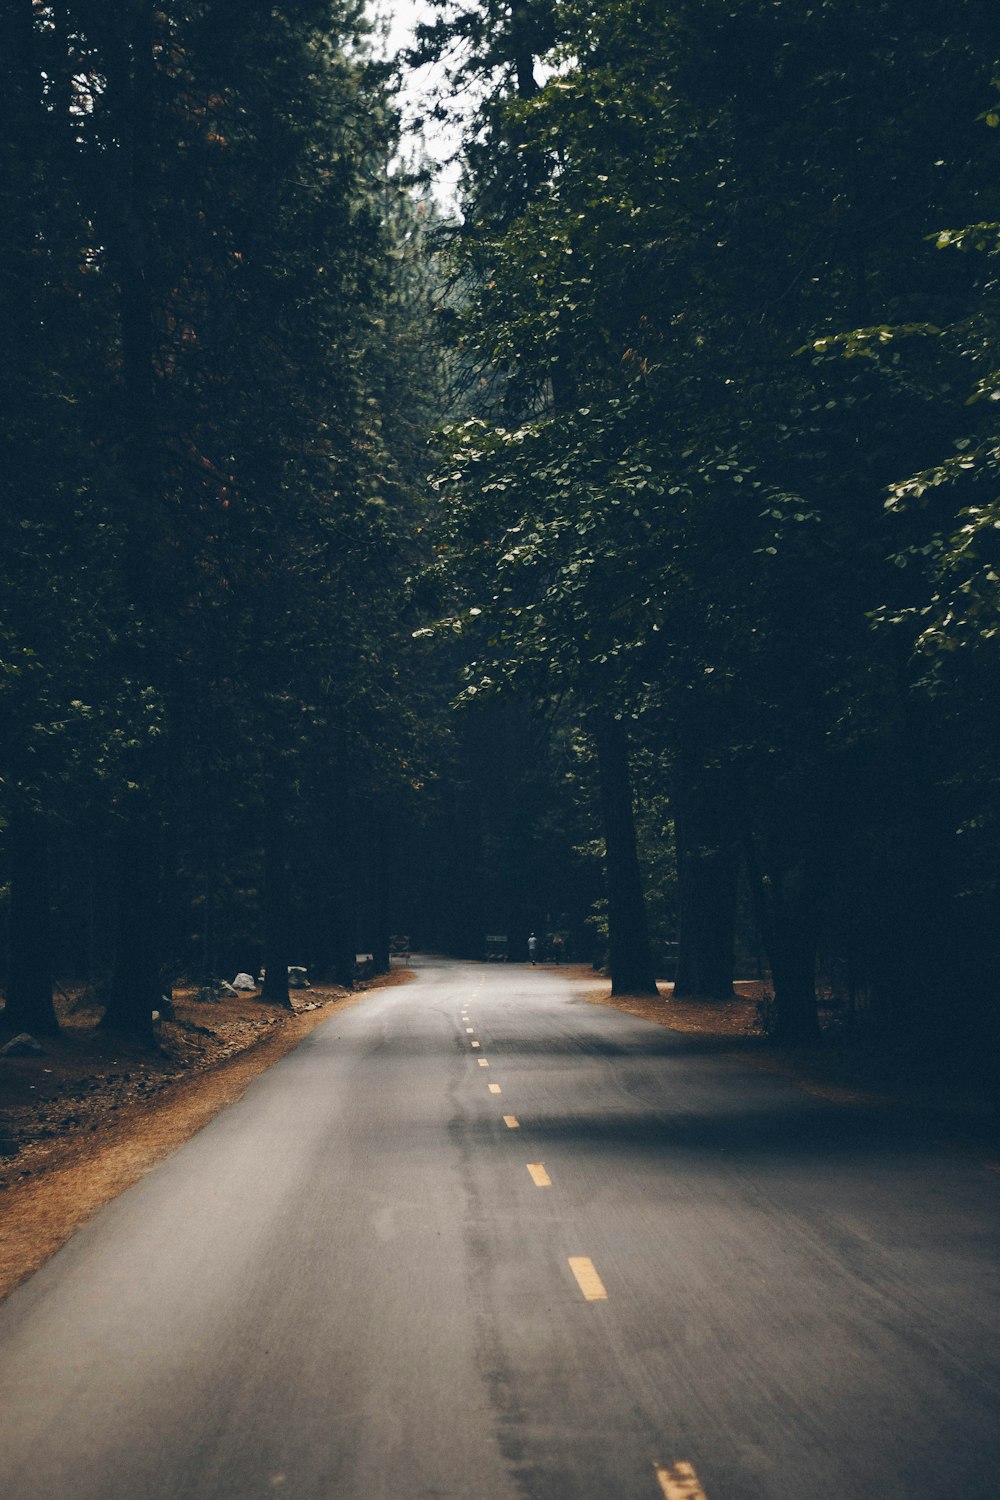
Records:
x=611, y=554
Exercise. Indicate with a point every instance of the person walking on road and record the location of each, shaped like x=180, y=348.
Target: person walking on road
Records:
x=532, y=948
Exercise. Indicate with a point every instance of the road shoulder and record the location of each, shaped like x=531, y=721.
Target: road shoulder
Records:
x=842, y=1072
x=141, y=1111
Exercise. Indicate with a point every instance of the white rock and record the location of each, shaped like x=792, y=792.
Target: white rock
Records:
x=22, y=1045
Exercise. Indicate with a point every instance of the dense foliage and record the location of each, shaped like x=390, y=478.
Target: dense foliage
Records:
x=215, y=399
x=716, y=298
x=709, y=561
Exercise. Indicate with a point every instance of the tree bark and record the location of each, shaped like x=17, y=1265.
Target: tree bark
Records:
x=207, y=946
x=786, y=902
x=522, y=50
x=707, y=869
x=135, y=982
x=277, y=898
x=29, y=1004
x=380, y=896
x=793, y=958
x=630, y=960
x=343, y=905
x=344, y=950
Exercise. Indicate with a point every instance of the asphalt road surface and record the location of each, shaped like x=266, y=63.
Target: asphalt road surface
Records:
x=476, y=1239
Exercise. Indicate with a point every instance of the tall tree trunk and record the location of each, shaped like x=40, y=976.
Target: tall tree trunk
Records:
x=380, y=894
x=786, y=902
x=523, y=49
x=207, y=957
x=22, y=294
x=343, y=966
x=136, y=984
x=707, y=869
x=277, y=896
x=29, y=1004
x=343, y=905
x=22, y=173
x=135, y=981
x=628, y=935
x=793, y=959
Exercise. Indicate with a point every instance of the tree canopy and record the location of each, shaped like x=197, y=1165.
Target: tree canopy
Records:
x=703, y=553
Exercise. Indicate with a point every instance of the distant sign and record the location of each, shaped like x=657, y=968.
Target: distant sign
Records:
x=399, y=946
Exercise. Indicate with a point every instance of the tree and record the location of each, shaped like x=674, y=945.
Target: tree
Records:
x=221, y=482
x=696, y=524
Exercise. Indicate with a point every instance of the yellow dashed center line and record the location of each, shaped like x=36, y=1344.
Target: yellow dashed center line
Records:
x=483, y=1062
x=539, y=1176
x=587, y=1278
x=470, y=1029
x=512, y=1122
x=494, y=1088
x=475, y=1044
x=679, y=1482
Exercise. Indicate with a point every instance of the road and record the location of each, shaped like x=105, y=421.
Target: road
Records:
x=477, y=1239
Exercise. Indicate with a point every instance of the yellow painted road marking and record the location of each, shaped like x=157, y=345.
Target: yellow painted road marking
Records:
x=512, y=1122
x=539, y=1176
x=470, y=1029
x=483, y=1063
x=587, y=1278
x=679, y=1482
x=475, y=1044
x=494, y=1088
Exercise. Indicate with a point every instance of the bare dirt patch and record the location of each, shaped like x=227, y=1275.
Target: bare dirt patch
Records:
x=92, y=1115
x=738, y=1017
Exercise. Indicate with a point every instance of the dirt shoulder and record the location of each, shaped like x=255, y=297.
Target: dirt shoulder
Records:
x=91, y=1115
x=841, y=1070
